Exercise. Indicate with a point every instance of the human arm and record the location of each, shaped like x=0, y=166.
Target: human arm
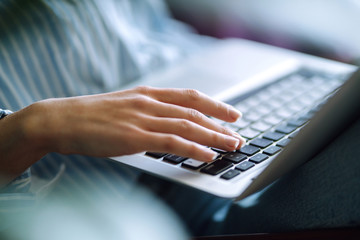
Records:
x=118, y=123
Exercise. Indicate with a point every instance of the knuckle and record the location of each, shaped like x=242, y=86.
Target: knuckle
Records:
x=219, y=106
x=194, y=115
x=225, y=131
x=140, y=102
x=192, y=150
x=193, y=94
x=145, y=90
x=215, y=137
x=170, y=143
x=140, y=137
x=185, y=125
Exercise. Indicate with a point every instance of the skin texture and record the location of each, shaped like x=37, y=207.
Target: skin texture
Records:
x=114, y=124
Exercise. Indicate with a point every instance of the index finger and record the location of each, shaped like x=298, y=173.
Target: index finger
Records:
x=192, y=98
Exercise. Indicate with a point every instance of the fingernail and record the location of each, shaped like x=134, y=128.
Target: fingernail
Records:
x=236, y=135
x=234, y=113
x=243, y=142
x=241, y=139
x=211, y=155
x=232, y=142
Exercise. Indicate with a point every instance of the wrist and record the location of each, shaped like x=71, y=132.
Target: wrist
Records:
x=36, y=127
x=19, y=148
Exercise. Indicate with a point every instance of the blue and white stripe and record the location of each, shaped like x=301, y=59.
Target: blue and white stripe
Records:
x=51, y=48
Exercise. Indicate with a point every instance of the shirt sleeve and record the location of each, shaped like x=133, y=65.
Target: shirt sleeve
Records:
x=20, y=184
x=15, y=198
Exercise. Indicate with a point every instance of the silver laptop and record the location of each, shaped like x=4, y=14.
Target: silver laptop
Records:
x=293, y=104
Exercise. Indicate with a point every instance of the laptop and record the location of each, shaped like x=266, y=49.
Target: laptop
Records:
x=293, y=105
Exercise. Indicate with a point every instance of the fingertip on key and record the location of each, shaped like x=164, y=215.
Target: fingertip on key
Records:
x=210, y=155
x=235, y=114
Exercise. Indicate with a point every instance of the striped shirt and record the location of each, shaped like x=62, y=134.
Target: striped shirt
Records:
x=51, y=48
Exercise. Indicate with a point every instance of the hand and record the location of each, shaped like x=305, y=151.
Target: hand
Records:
x=141, y=119
x=119, y=123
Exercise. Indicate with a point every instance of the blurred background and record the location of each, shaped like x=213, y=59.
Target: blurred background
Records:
x=327, y=28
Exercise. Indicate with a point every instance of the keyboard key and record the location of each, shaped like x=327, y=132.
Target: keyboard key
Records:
x=293, y=134
x=286, y=96
x=316, y=95
x=295, y=106
x=264, y=95
x=285, y=129
x=275, y=136
x=260, y=126
x=307, y=116
x=249, y=133
x=261, y=142
x=273, y=120
x=253, y=101
x=240, y=123
x=174, y=158
x=232, y=127
x=284, y=113
x=272, y=150
x=234, y=157
x=304, y=118
x=155, y=154
x=242, y=106
x=249, y=150
x=274, y=89
x=230, y=174
x=252, y=116
x=193, y=164
x=218, y=150
x=275, y=103
x=264, y=109
x=283, y=142
x=244, y=166
x=296, y=122
x=216, y=167
x=258, y=158
x=306, y=99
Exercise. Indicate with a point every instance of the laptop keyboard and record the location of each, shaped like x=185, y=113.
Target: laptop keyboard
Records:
x=272, y=116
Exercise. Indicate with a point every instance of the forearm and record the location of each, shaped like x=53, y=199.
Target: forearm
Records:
x=20, y=145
